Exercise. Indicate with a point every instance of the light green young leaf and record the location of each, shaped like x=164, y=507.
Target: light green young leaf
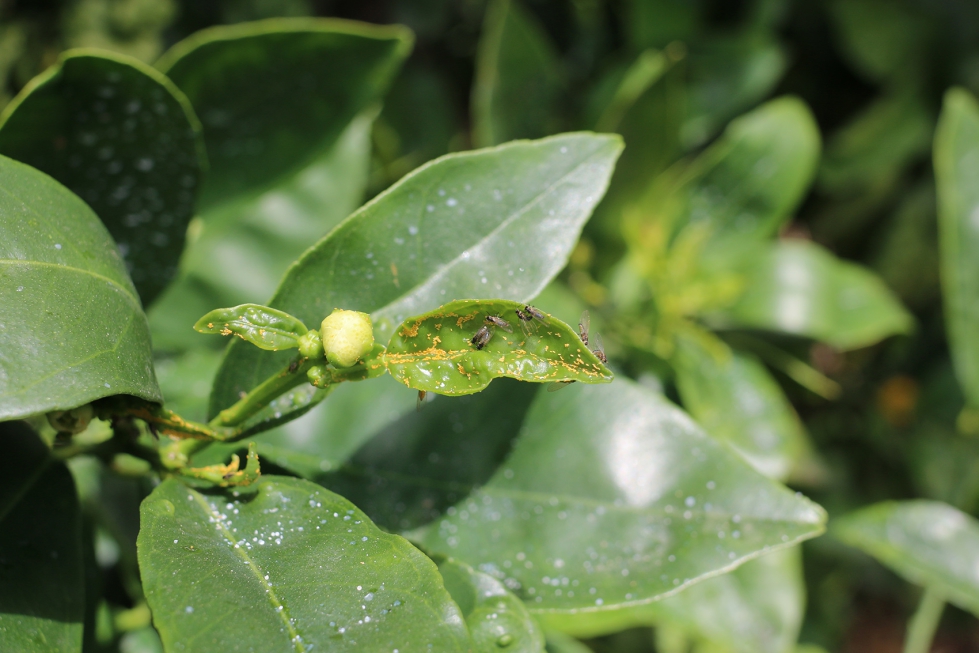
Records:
x=797, y=287
x=927, y=542
x=42, y=590
x=267, y=117
x=518, y=77
x=736, y=400
x=124, y=138
x=442, y=351
x=311, y=569
x=500, y=221
x=749, y=181
x=264, y=327
x=613, y=497
x=496, y=618
x=73, y=329
x=957, y=180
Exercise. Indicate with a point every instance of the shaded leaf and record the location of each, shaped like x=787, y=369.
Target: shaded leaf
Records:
x=124, y=138
x=749, y=181
x=442, y=352
x=312, y=569
x=61, y=276
x=613, y=497
x=881, y=40
x=797, y=287
x=496, y=618
x=42, y=592
x=264, y=327
x=238, y=255
x=927, y=542
x=736, y=400
x=415, y=468
x=636, y=80
x=518, y=78
x=499, y=221
x=255, y=131
x=728, y=76
x=957, y=180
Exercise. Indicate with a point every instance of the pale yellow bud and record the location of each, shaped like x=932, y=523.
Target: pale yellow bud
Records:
x=347, y=336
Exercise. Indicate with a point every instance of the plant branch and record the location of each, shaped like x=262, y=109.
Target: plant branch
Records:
x=924, y=622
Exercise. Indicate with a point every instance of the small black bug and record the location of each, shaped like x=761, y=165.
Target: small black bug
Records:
x=499, y=322
x=482, y=337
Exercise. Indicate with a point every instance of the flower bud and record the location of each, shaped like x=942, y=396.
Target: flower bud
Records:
x=347, y=336
x=311, y=346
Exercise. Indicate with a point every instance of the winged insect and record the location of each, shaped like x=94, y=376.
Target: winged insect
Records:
x=482, y=337
x=499, y=322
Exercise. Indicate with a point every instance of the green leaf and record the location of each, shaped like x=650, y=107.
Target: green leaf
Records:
x=735, y=399
x=881, y=40
x=797, y=287
x=518, y=78
x=927, y=542
x=73, y=330
x=266, y=116
x=419, y=466
x=241, y=252
x=749, y=181
x=757, y=608
x=439, y=351
x=311, y=569
x=728, y=76
x=124, y=138
x=957, y=180
x=500, y=221
x=264, y=327
x=496, y=618
x=42, y=591
x=635, y=81
x=875, y=147
x=614, y=497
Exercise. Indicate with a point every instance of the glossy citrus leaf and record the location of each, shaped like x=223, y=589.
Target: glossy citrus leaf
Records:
x=416, y=467
x=957, y=180
x=245, y=81
x=518, y=77
x=285, y=566
x=749, y=181
x=264, y=327
x=737, y=400
x=42, y=592
x=497, y=619
x=757, y=608
x=499, y=221
x=797, y=287
x=927, y=542
x=62, y=277
x=123, y=138
x=443, y=351
x=614, y=497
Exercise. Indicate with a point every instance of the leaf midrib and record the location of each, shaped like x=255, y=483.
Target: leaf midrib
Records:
x=70, y=268
x=277, y=606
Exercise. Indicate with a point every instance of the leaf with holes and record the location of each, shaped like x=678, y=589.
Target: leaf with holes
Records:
x=501, y=220
x=264, y=327
x=496, y=618
x=461, y=347
x=124, y=138
x=61, y=277
x=284, y=566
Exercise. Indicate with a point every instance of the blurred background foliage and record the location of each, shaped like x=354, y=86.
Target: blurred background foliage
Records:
x=883, y=422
